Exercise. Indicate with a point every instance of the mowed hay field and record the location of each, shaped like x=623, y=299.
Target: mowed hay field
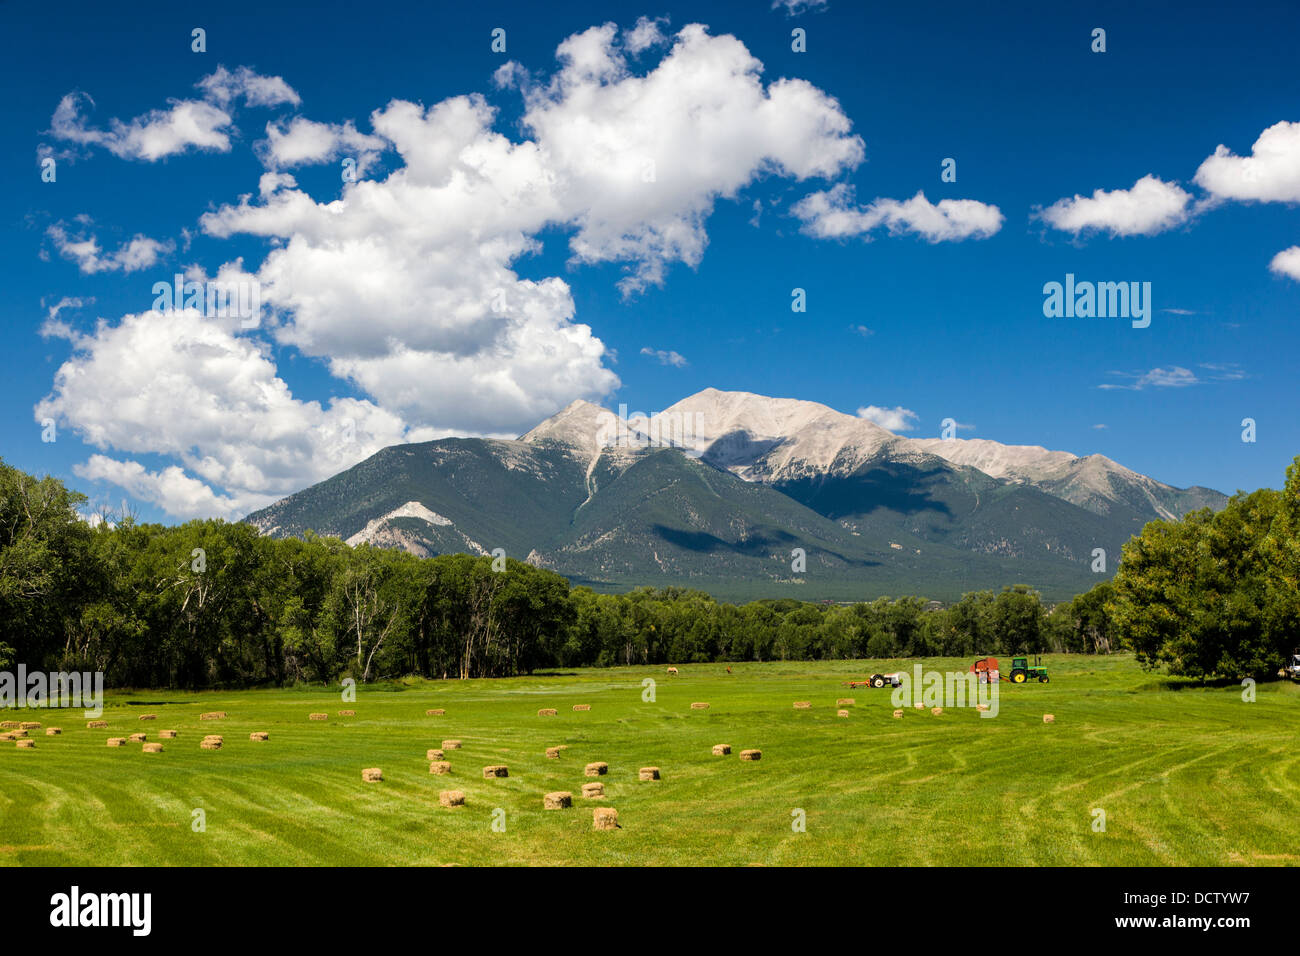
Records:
x=1185, y=774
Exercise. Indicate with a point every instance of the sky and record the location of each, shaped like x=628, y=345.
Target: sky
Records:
x=452, y=220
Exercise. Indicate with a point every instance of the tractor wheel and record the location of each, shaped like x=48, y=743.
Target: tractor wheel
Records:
x=1043, y=680
x=1018, y=677
x=877, y=680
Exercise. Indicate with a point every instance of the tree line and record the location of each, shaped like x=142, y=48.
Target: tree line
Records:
x=215, y=604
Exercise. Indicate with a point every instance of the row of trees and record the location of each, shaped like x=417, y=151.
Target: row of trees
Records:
x=210, y=603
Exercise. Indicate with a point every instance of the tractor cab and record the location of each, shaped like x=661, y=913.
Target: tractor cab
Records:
x=1022, y=670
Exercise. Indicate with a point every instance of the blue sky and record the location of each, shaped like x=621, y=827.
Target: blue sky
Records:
x=626, y=286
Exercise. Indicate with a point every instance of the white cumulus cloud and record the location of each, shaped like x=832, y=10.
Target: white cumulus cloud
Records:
x=1149, y=207
x=832, y=214
x=896, y=419
x=1271, y=173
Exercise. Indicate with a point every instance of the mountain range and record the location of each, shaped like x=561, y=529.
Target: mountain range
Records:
x=721, y=491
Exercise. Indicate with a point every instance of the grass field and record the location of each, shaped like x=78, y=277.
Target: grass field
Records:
x=1185, y=774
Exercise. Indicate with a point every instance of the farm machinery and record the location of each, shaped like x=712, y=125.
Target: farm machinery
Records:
x=988, y=670
x=877, y=680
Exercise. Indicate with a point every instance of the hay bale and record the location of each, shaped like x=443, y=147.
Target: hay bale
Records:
x=436, y=712
x=604, y=818
x=259, y=735
x=138, y=738
x=347, y=713
x=452, y=798
x=8, y=737
x=372, y=775
x=154, y=748
x=981, y=706
x=554, y=752
x=318, y=716
x=15, y=734
x=25, y=744
x=582, y=706
x=206, y=744
x=117, y=741
x=721, y=750
x=751, y=755
x=700, y=705
x=496, y=770
x=898, y=713
x=96, y=724
x=148, y=716
x=433, y=755
x=936, y=711
x=560, y=800
x=30, y=725
x=217, y=737
x=1049, y=718
x=167, y=734
x=440, y=767
x=597, y=768
x=841, y=713
x=593, y=791
x=648, y=773
x=53, y=731
x=214, y=715
x=8, y=725
x=919, y=706
x=451, y=745
x=802, y=705
x=845, y=702
x=547, y=712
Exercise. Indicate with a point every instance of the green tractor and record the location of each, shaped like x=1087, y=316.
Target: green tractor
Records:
x=1021, y=670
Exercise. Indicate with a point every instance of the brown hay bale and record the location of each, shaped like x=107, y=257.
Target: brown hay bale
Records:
x=451, y=745
x=593, y=791
x=117, y=741
x=372, y=775
x=30, y=725
x=206, y=744
x=96, y=724
x=8, y=725
x=148, y=716
x=214, y=715
x=597, y=768
x=981, y=706
x=452, y=798
x=440, y=767
x=437, y=712
x=936, y=711
x=318, y=716
x=53, y=731
x=25, y=744
x=721, y=750
x=496, y=770
x=648, y=773
x=802, y=705
x=138, y=738
x=845, y=702
x=841, y=713
x=547, y=712
x=259, y=735
x=217, y=737
x=433, y=755
x=919, y=706
x=18, y=733
x=672, y=670
x=751, y=755
x=347, y=713
x=582, y=706
x=554, y=752
x=8, y=737
x=560, y=800
x=1049, y=718
x=167, y=734
x=604, y=818
x=898, y=713
x=700, y=705
x=153, y=748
